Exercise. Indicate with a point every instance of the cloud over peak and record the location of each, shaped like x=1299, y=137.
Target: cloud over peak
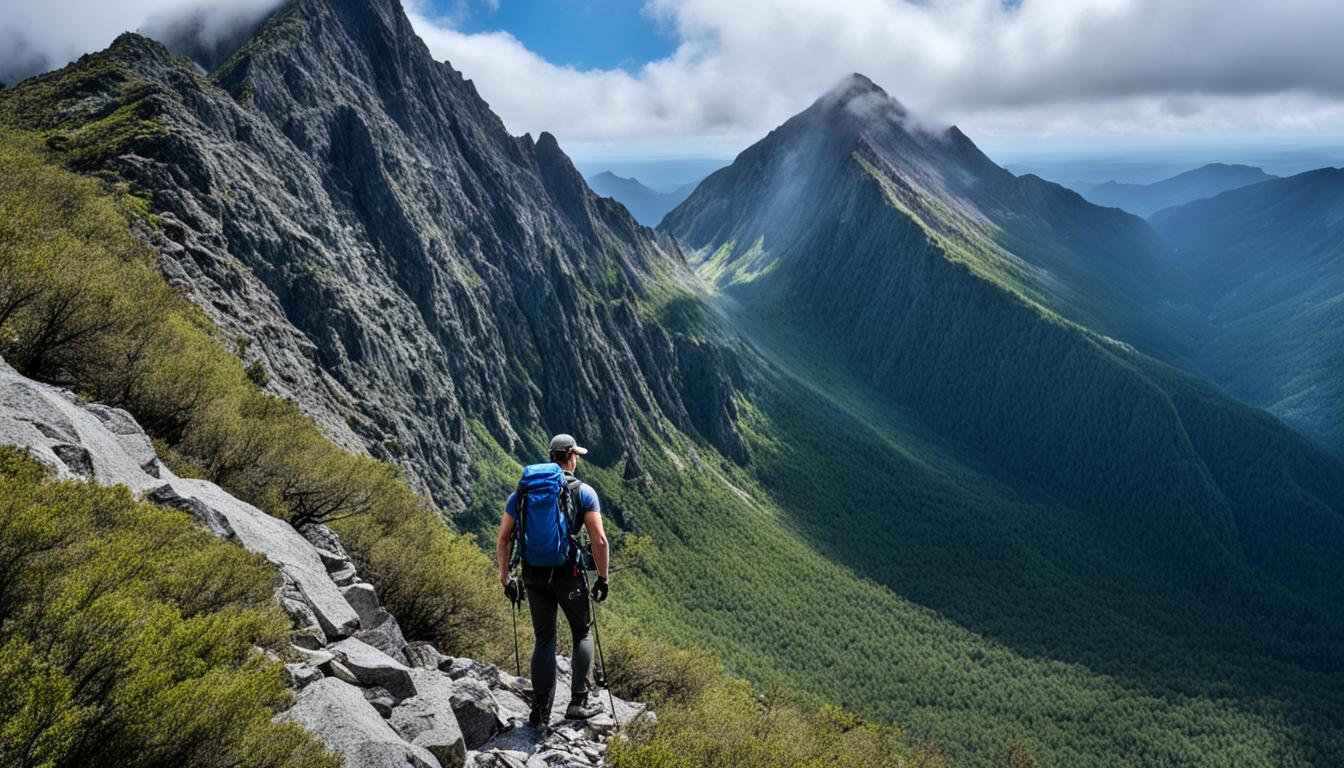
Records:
x=1112, y=67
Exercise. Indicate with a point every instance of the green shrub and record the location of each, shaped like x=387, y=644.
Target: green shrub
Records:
x=716, y=720
x=128, y=635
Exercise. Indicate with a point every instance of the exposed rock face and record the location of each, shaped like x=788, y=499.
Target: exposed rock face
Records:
x=53, y=426
x=356, y=698
x=340, y=717
x=397, y=259
x=359, y=663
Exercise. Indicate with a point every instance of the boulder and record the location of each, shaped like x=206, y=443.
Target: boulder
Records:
x=359, y=663
x=427, y=718
x=39, y=418
x=313, y=658
x=344, y=576
x=497, y=760
x=378, y=628
x=478, y=670
x=515, y=744
x=386, y=636
x=381, y=699
x=445, y=745
x=476, y=711
x=339, y=717
x=300, y=676
x=364, y=600
x=326, y=541
x=513, y=708
x=423, y=655
x=307, y=632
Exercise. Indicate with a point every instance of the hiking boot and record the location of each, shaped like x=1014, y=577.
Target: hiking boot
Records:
x=537, y=717
x=582, y=709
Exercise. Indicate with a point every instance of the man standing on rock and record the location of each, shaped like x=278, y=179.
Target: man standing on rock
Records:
x=544, y=526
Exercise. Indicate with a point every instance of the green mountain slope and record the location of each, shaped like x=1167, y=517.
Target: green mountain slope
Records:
x=1147, y=199
x=1269, y=260
x=1173, y=537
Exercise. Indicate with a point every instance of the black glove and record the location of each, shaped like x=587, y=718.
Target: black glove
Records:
x=599, y=590
x=514, y=591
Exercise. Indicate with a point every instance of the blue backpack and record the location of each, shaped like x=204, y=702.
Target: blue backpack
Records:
x=545, y=507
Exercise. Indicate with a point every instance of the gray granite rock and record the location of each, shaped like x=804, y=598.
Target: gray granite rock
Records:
x=381, y=699
x=337, y=714
x=476, y=710
x=385, y=635
x=427, y=718
x=359, y=663
x=363, y=598
x=299, y=676
x=42, y=419
x=423, y=655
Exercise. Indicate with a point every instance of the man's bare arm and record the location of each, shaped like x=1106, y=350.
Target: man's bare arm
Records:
x=593, y=522
x=504, y=547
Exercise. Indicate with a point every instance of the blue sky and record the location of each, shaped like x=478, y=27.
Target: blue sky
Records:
x=586, y=34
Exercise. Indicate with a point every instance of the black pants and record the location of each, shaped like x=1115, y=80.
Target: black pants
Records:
x=547, y=590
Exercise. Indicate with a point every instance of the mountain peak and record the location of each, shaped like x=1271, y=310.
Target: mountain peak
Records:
x=858, y=93
x=856, y=81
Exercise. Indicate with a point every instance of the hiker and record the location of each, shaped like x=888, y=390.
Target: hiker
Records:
x=545, y=526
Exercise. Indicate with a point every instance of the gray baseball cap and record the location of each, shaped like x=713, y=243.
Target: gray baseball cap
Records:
x=563, y=442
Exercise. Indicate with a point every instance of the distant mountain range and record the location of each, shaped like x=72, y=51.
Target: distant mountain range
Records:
x=1266, y=263
x=1205, y=181
x=998, y=324
x=648, y=206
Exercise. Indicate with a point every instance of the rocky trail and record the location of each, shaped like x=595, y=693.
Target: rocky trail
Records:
x=362, y=688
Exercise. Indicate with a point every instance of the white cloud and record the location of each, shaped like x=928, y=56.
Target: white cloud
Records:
x=1047, y=68
x=1050, y=68
x=39, y=35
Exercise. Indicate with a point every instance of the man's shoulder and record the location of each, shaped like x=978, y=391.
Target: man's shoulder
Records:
x=588, y=497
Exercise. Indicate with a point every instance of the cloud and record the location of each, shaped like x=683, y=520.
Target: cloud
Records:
x=1040, y=67
x=1056, y=68
x=37, y=36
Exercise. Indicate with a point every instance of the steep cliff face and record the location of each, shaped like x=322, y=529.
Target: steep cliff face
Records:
x=353, y=211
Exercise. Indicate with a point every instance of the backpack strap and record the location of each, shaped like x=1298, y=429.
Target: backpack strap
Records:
x=574, y=492
x=520, y=512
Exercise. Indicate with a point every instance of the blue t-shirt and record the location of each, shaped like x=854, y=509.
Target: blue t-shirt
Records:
x=587, y=502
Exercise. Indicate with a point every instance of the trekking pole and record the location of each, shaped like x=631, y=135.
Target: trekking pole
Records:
x=597, y=637
x=517, y=662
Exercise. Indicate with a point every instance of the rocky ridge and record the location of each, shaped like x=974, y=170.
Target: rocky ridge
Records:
x=352, y=211
x=362, y=689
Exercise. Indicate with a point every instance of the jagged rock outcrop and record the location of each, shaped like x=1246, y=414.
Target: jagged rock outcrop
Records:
x=105, y=444
x=338, y=715
x=358, y=699
x=402, y=265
